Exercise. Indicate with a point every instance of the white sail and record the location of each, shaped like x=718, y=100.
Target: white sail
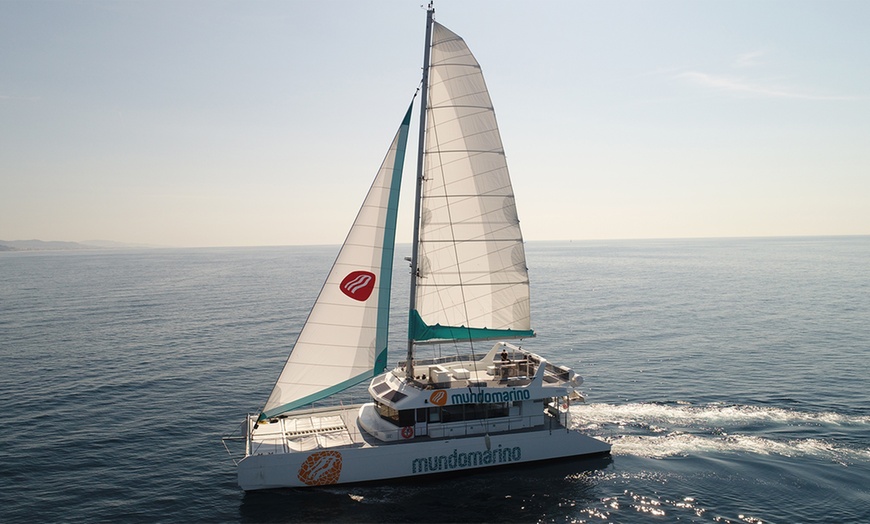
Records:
x=344, y=339
x=472, y=277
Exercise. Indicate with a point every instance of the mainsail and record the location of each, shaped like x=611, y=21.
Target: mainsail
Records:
x=344, y=339
x=472, y=281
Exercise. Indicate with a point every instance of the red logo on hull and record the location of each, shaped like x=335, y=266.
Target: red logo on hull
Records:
x=438, y=398
x=358, y=285
x=321, y=468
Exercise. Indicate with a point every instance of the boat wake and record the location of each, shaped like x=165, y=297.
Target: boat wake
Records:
x=668, y=430
x=683, y=444
x=709, y=414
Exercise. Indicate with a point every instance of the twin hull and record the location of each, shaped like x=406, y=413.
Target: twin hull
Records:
x=411, y=459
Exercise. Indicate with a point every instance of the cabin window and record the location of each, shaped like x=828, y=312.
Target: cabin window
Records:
x=501, y=409
x=387, y=413
x=403, y=418
x=461, y=412
x=406, y=417
x=453, y=413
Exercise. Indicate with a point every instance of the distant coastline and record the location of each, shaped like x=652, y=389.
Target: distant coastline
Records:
x=55, y=245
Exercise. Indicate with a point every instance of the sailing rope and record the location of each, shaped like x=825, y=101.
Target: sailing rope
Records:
x=453, y=237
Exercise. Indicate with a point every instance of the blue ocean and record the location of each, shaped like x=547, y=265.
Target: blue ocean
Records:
x=732, y=377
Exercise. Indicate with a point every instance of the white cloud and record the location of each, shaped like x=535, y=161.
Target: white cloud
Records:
x=740, y=86
x=749, y=59
x=12, y=97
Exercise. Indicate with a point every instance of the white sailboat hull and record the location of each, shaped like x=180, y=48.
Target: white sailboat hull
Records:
x=413, y=458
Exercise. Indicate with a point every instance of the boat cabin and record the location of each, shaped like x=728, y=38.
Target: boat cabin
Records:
x=509, y=389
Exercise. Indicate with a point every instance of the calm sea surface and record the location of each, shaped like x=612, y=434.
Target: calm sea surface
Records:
x=731, y=376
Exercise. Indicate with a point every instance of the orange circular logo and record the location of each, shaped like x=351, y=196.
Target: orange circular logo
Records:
x=321, y=468
x=439, y=398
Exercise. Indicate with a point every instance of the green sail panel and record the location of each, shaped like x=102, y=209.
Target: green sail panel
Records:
x=420, y=331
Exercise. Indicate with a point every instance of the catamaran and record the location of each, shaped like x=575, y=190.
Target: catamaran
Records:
x=490, y=402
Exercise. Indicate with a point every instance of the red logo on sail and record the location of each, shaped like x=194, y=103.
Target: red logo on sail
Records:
x=358, y=285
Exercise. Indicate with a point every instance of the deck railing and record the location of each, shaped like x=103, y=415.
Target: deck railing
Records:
x=284, y=442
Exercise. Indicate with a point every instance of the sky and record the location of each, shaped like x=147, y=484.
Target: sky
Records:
x=243, y=123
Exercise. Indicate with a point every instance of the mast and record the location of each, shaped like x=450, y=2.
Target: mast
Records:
x=412, y=303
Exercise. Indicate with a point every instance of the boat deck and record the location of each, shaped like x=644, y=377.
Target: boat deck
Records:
x=498, y=374
x=338, y=428
x=518, y=369
x=331, y=428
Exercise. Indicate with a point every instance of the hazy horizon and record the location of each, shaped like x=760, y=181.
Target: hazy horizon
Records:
x=113, y=244
x=232, y=124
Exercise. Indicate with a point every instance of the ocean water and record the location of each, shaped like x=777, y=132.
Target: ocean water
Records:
x=732, y=377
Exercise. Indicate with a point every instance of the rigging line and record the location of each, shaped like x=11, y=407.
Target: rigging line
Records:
x=453, y=237
x=477, y=151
